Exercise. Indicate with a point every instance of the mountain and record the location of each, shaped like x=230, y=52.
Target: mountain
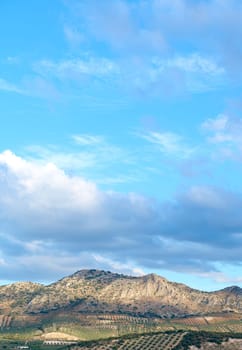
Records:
x=97, y=292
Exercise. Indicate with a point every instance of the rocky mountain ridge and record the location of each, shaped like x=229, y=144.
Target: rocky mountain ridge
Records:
x=96, y=291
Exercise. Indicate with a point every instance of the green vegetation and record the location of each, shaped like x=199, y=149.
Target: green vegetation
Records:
x=91, y=327
x=170, y=340
x=164, y=340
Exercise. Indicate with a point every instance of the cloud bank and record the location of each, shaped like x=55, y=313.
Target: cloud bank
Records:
x=52, y=223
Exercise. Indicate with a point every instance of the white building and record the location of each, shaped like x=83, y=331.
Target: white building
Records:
x=59, y=342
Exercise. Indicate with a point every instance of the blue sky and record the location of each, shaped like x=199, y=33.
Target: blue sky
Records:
x=121, y=139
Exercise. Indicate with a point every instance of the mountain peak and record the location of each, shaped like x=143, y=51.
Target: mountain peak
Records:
x=96, y=274
x=154, y=278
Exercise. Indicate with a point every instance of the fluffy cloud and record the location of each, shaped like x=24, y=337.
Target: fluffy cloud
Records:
x=64, y=223
x=43, y=209
x=46, y=192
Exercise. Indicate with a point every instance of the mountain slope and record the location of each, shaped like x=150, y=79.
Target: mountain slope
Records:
x=16, y=297
x=94, y=291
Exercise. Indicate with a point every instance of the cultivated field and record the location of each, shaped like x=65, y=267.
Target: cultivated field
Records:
x=173, y=340
x=167, y=341
x=106, y=332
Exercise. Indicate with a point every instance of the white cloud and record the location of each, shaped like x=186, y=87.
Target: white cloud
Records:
x=77, y=68
x=33, y=86
x=113, y=23
x=219, y=277
x=168, y=45
x=217, y=124
x=45, y=214
x=192, y=73
x=173, y=75
x=62, y=222
x=206, y=196
x=160, y=26
x=225, y=133
x=92, y=156
x=9, y=87
x=87, y=140
x=72, y=161
x=56, y=203
x=118, y=266
x=194, y=63
x=169, y=143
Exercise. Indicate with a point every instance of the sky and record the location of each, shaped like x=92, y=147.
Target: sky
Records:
x=121, y=139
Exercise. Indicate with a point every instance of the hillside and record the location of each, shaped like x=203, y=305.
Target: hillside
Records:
x=95, y=291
